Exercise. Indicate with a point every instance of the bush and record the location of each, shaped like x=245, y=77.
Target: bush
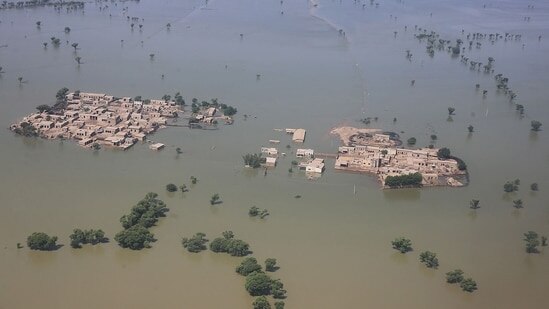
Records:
x=429, y=259
x=279, y=305
x=536, y=125
x=468, y=285
x=228, y=244
x=79, y=237
x=270, y=265
x=171, y=187
x=196, y=243
x=136, y=237
x=248, y=266
x=412, y=141
x=454, y=276
x=252, y=160
x=146, y=212
x=261, y=303
x=258, y=284
x=402, y=244
x=409, y=180
x=443, y=153
x=41, y=241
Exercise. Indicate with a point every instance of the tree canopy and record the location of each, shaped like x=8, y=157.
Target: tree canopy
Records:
x=429, y=259
x=196, y=243
x=402, y=244
x=261, y=303
x=248, y=266
x=136, y=237
x=399, y=181
x=228, y=244
x=41, y=241
x=79, y=237
x=454, y=276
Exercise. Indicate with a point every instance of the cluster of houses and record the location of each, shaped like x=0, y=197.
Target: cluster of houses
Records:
x=100, y=119
x=392, y=161
x=308, y=162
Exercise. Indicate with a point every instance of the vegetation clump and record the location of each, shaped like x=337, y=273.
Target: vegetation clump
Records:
x=536, y=125
x=270, y=265
x=136, y=237
x=256, y=212
x=80, y=237
x=402, y=244
x=532, y=242
x=474, y=204
x=41, y=241
x=468, y=285
x=215, y=199
x=260, y=284
x=145, y=214
x=228, y=244
x=253, y=160
x=412, y=141
x=534, y=186
x=196, y=243
x=26, y=129
x=511, y=186
x=248, y=266
x=454, y=276
x=171, y=187
x=261, y=303
x=400, y=181
x=429, y=259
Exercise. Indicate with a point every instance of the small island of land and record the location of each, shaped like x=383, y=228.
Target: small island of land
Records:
x=377, y=152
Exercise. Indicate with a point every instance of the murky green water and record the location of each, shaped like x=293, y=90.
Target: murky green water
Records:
x=333, y=246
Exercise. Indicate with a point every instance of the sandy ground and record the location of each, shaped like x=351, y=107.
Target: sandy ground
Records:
x=345, y=132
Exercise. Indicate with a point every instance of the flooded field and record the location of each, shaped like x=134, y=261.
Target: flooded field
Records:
x=333, y=246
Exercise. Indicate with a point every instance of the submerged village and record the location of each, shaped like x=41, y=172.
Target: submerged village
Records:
x=97, y=119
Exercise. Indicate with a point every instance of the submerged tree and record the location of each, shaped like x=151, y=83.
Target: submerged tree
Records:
x=215, y=199
x=261, y=303
x=468, y=285
x=454, y=276
x=536, y=125
x=196, y=243
x=402, y=244
x=270, y=265
x=248, y=266
x=429, y=259
x=451, y=111
x=532, y=242
x=171, y=187
x=474, y=204
x=41, y=241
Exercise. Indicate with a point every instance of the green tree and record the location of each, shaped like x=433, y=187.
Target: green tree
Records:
x=534, y=186
x=261, y=303
x=79, y=237
x=411, y=141
x=178, y=150
x=470, y=128
x=434, y=137
x=194, y=180
x=196, y=243
x=454, y=276
x=253, y=212
x=258, y=284
x=532, y=241
x=183, y=188
x=510, y=187
x=468, y=285
x=41, y=241
x=544, y=241
x=517, y=203
x=270, y=265
x=26, y=129
x=75, y=46
x=429, y=259
x=43, y=108
x=279, y=304
x=248, y=266
x=171, y=187
x=402, y=244
x=277, y=289
x=474, y=204
x=451, y=111
x=136, y=237
x=536, y=125
x=443, y=153
x=252, y=160
x=399, y=181
x=230, y=245
x=215, y=199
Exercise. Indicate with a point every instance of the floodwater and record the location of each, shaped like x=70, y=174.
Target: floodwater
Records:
x=333, y=246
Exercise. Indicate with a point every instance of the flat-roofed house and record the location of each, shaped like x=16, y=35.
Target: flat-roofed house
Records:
x=299, y=136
